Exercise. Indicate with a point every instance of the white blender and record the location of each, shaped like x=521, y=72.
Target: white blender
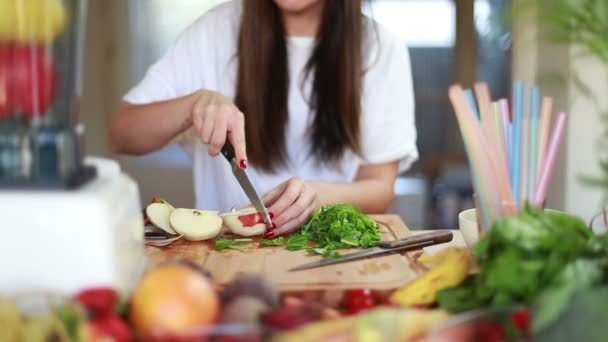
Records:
x=68, y=222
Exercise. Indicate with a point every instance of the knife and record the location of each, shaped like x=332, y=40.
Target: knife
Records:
x=241, y=177
x=407, y=244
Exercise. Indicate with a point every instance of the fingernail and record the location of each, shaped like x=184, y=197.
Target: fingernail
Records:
x=271, y=214
x=243, y=164
x=269, y=235
x=273, y=226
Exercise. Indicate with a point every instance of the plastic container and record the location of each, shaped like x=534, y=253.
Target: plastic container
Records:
x=40, y=71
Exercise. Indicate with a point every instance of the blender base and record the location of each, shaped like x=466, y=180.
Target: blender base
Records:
x=65, y=241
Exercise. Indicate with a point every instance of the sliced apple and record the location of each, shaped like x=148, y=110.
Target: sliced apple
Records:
x=162, y=200
x=196, y=225
x=245, y=222
x=159, y=213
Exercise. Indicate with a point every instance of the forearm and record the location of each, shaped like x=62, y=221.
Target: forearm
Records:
x=372, y=196
x=140, y=129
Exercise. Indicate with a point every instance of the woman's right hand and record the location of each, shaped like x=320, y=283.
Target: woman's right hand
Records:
x=216, y=119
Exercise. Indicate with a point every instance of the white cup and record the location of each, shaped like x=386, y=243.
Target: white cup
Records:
x=469, y=228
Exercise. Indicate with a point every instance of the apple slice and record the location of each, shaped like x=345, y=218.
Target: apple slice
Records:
x=158, y=213
x=196, y=225
x=245, y=222
x=162, y=200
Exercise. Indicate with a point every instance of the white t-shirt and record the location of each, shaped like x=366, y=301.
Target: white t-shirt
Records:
x=204, y=57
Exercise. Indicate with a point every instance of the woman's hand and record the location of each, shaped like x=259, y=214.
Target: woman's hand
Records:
x=291, y=204
x=216, y=119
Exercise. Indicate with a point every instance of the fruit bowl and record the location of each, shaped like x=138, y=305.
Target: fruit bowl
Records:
x=509, y=324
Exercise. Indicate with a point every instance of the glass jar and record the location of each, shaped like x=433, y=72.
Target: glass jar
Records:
x=40, y=74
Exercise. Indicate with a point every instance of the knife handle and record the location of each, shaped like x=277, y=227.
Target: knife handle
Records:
x=228, y=151
x=435, y=237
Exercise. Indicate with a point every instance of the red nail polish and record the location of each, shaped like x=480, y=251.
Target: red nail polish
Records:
x=271, y=214
x=269, y=235
x=274, y=225
x=243, y=164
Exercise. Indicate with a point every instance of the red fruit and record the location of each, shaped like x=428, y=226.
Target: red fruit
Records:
x=488, y=330
x=287, y=318
x=27, y=80
x=521, y=319
x=109, y=327
x=251, y=220
x=101, y=301
x=359, y=300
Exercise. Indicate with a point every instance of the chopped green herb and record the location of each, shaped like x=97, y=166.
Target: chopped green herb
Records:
x=238, y=244
x=340, y=226
x=280, y=241
x=297, y=242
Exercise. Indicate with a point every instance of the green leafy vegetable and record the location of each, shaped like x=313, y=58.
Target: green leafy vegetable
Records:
x=280, y=241
x=297, y=242
x=238, y=244
x=340, y=226
x=540, y=258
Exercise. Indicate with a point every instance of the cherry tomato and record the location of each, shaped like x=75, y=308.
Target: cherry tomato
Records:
x=359, y=300
x=27, y=80
x=521, y=319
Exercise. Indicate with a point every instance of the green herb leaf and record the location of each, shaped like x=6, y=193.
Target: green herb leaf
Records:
x=238, y=244
x=297, y=242
x=280, y=241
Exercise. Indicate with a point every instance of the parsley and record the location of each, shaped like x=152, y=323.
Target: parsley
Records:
x=280, y=241
x=238, y=244
x=341, y=226
x=297, y=242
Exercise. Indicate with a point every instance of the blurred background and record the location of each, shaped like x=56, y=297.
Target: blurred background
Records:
x=449, y=41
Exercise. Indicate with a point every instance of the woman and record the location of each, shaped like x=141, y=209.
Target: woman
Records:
x=316, y=99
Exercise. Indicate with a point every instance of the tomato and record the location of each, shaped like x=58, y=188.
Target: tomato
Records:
x=28, y=80
x=521, y=319
x=359, y=300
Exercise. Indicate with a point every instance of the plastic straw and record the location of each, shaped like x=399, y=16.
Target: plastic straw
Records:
x=552, y=153
x=500, y=129
x=546, y=112
x=506, y=125
x=533, y=140
x=472, y=134
x=524, y=159
x=471, y=100
x=493, y=147
x=518, y=112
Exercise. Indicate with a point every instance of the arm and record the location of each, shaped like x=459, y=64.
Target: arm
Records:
x=140, y=129
x=372, y=191
x=294, y=201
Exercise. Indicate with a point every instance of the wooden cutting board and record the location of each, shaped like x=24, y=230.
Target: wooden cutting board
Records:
x=384, y=272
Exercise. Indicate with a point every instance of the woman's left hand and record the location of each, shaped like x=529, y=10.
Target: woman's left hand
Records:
x=291, y=204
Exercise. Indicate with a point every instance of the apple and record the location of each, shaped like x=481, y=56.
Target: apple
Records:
x=159, y=213
x=162, y=200
x=196, y=225
x=172, y=300
x=245, y=222
x=32, y=21
x=28, y=80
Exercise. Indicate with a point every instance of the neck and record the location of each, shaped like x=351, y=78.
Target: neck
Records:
x=304, y=23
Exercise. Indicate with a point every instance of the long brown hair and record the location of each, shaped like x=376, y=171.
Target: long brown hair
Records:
x=263, y=82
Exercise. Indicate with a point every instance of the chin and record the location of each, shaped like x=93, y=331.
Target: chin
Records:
x=295, y=6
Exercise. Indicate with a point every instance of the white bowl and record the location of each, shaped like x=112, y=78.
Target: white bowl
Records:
x=469, y=228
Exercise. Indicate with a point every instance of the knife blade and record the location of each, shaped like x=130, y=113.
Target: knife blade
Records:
x=407, y=244
x=241, y=177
